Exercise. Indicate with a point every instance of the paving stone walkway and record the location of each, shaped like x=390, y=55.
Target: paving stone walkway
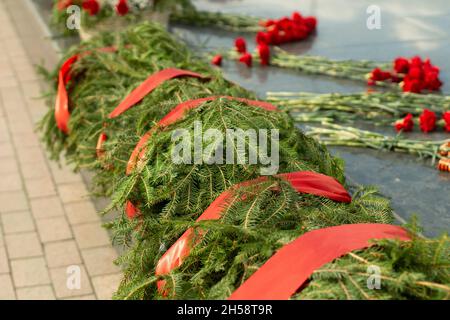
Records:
x=49, y=228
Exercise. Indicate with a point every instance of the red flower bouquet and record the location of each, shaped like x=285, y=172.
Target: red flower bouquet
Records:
x=406, y=124
x=427, y=121
x=91, y=6
x=122, y=7
x=241, y=45
x=413, y=75
x=246, y=58
x=264, y=54
x=286, y=29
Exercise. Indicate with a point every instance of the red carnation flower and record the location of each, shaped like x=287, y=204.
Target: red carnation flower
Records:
x=246, y=58
x=428, y=67
x=274, y=36
x=416, y=62
x=240, y=45
x=415, y=73
x=262, y=38
x=379, y=75
x=283, y=23
x=412, y=85
x=286, y=36
x=264, y=54
x=311, y=23
x=122, y=8
x=296, y=16
x=406, y=124
x=401, y=65
x=217, y=60
x=446, y=117
x=432, y=81
x=427, y=121
x=91, y=6
x=300, y=33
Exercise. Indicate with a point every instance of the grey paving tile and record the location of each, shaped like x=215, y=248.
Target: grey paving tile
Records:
x=11, y=182
x=30, y=272
x=23, y=245
x=106, y=286
x=90, y=235
x=53, y=229
x=62, y=253
x=46, y=207
x=6, y=148
x=8, y=165
x=36, y=293
x=36, y=170
x=73, y=192
x=30, y=154
x=4, y=261
x=81, y=212
x=13, y=201
x=100, y=261
x=6, y=288
x=15, y=222
x=64, y=174
x=40, y=187
x=70, y=282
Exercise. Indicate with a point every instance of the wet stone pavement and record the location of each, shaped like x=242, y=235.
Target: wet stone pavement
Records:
x=408, y=27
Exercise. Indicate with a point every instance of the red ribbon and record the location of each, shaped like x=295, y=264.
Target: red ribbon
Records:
x=302, y=181
x=102, y=138
x=144, y=89
x=176, y=114
x=131, y=210
x=148, y=86
x=286, y=271
x=62, y=114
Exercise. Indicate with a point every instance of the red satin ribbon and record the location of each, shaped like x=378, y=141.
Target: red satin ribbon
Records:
x=102, y=138
x=302, y=181
x=144, y=89
x=62, y=114
x=176, y=114
x=148, y=86
x=286, y=271
x=131, y=210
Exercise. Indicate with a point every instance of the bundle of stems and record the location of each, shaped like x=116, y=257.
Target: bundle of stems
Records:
x=170, y=195
x=218, y=20
x=358, y=70
x=348, y=69
x=378, y=107
x=338, y=135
